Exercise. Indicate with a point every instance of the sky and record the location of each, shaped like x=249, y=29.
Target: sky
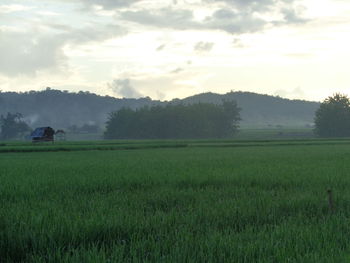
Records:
x=165, y=49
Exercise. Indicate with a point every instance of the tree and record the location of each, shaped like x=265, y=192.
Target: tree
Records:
x=174, y=121
x=12, y=126
x=332, y=119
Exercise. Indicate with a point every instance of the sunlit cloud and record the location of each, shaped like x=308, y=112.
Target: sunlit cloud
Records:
x=6, y=9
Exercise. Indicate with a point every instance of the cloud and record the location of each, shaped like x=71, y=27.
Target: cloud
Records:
x=291, y=16
x=237, y=43
x=203, y=46
x=161, y=47
x=234, y=17
x=253, y=5
x=181, y=19
x=123, y=87
x=21, y=53
x=235, y=22
x=290, y=10
x=59, y=27
x=109, y=4
x=26, y=53
x=177, y=70
x=93, y=33
x=6, y=9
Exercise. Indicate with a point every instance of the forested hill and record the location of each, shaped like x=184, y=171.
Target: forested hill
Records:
x=61, y=109
x=264, y=110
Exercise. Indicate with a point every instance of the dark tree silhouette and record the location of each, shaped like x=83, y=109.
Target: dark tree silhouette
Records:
x=200, y=120
x=332, y=119
x=12, y=126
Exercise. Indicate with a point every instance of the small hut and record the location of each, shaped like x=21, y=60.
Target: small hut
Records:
x=43, y=134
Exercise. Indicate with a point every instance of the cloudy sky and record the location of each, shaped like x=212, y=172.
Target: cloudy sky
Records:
x=176, y=48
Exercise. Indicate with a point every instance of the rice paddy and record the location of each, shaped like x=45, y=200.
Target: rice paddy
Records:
x=175, y=201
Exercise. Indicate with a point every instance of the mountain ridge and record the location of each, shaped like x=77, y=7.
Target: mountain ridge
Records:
x=62, y=109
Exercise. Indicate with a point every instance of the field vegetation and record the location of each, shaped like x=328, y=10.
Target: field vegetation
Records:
x=175, y=201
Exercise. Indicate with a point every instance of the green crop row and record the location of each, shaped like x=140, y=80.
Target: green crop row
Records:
x=152, y=144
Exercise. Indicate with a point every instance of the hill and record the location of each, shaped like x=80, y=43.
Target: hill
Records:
x=263, y=110
x=62, y=109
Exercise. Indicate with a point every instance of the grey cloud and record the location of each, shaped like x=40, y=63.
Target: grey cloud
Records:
x=291, y=16
x=59, y=27
x=287, y=8
x=26, y=53
x=203, y=46
x=93, y=33
x=182, y=19
x=228, y=20
x=234, y=22
x=165, y=17
x=234, y=16
x=224, y=14
x=252, y=5
x=123, y=87
x=177, y=70
x=23, y=54
x=109, y=4
x=104, y=4
x=89, y=33
x=237, y=43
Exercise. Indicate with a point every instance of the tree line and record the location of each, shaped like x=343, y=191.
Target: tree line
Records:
x=175, y=121
x=63, y=109
x=197, y=120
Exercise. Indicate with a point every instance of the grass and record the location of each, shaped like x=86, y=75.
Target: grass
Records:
x=19, y=146
x=192, y=204
x=275, y=133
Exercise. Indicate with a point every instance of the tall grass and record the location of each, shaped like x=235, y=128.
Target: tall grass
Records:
x=243, y=204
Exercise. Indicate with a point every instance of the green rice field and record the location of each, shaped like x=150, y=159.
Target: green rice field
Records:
x=175, y=201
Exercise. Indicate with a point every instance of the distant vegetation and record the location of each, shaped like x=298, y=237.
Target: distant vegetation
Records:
x=12, y=126
x=333, y=117
x=63, y=109
x=265, y=111
x=199, y=120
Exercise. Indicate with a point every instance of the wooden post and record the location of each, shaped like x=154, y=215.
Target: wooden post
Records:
x=330, y=200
